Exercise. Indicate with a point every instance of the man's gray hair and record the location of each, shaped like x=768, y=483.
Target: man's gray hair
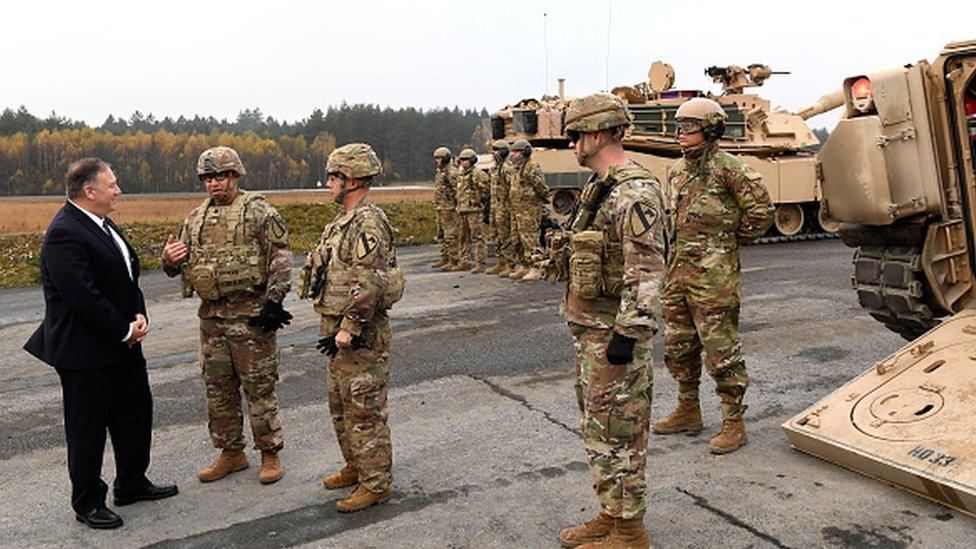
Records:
x=82, y=172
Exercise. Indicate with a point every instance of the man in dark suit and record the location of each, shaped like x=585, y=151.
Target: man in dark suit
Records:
x=94, y=323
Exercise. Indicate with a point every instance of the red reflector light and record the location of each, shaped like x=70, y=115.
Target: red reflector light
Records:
x=861, y=89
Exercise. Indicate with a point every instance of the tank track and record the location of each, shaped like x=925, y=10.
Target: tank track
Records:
x=776, y=239
x=890, y=286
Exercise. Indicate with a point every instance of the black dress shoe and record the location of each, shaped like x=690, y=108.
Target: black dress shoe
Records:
x=100, y=518
x=149, y=493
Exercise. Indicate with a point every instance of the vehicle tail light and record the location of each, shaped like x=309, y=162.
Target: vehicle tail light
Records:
x=861, y=94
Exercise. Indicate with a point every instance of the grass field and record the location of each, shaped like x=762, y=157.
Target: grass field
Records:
x=27, y=215
x=411, y=215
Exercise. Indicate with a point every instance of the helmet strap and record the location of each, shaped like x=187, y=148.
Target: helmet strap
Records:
x=586, y=155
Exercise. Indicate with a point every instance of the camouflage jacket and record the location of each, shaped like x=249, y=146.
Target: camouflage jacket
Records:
x=628, y=208
x=356, y=252
x=445, y=188
x=500, y=177
x=528, y=185
x=262, y=227
x=717, y=205
x=472, y=190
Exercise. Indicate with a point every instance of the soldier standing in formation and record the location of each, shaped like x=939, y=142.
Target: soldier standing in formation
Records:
x=353, y=279
x=500, y=209
x=472, y=190
x=445, y=202
x=528, y=193
x=719, y=204
x=612, y=304
x=233, y=252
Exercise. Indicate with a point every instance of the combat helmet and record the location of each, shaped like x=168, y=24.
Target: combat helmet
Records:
x=499, y=145
x=597, y=112
x=354, y=161
x=220, y=159
x=709, y=115
x=468, y=154
x=522, y=146
x=442, y=152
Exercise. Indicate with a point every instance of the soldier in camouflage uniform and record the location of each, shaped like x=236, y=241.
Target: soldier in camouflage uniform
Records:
x=233, y=252
x=612, y=305
x=353, y=279
x=528, y=192
x=472, y=191
x=445, y=201
x=719, y=204
x=500, y=212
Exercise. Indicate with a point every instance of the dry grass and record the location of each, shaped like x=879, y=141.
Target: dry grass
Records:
x=413, y=220
x=34, y=214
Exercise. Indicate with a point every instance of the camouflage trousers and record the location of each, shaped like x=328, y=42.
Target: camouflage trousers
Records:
x=696, y=319
x=358, y=381
x=472, y=236
x=236, y=356
x=449, y=227
x=615, y=409
x=501, y=229
x=525, y=232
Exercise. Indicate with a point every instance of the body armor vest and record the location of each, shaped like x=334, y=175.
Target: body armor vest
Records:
x=235, y=264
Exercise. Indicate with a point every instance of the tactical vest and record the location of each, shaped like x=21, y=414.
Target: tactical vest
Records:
x=331, y=297
x=596, y=261
x=468, y=193
x=236, y=264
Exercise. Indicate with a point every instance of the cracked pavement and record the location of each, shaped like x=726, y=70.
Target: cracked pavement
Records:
x=485, y=428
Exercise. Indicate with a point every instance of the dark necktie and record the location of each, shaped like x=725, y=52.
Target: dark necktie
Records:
x=116, y=242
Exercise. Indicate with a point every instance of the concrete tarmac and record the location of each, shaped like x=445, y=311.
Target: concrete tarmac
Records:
x=485, y=428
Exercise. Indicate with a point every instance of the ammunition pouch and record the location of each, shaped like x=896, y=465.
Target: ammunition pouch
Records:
x=595, y=266
x=220, y=272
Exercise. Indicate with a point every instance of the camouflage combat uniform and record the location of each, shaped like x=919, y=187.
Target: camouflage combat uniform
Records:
x=501, y=210
x=527, y=192
x=472, y=189
x=358, y=259
x=719, y=203
x=616, y=272
x=445, y=201
x=238, y=259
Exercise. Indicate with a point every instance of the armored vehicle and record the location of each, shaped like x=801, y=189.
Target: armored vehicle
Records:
x=777, y=143
x=898, y=176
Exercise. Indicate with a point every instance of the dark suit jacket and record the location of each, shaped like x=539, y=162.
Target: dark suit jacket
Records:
x=89, y=298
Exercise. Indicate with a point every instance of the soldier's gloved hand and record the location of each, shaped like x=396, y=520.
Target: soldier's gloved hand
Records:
x=273, y=317
x=327, y=346
x=620, y=350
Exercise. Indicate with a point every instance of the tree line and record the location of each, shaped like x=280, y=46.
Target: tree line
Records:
x=159, y=155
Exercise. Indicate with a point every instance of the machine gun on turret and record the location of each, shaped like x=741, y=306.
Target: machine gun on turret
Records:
x=734, y=78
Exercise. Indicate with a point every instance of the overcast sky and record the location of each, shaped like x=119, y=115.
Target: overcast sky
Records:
x=93, y=58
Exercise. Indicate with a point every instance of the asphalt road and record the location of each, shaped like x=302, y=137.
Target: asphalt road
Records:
x=485, y=428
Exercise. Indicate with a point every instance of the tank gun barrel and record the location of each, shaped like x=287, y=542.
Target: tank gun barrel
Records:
x=827, y=102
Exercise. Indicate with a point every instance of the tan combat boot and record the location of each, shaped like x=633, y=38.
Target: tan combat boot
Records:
x=449, y=266
x=626, y=534
x=360, y=499
x=495, y=269
x=478, y=269
x=518, y=273
x=344, y=478
x=229, y=461
x=730, y=438
x=463, y=266
x=589, y=532
x=271, y=469
x=439, y=263
x=534, y=274
x=686, y=418
x=505, y=271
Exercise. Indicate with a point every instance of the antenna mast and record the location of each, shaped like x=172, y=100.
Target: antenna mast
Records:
x=545, y=40
x=609, y=20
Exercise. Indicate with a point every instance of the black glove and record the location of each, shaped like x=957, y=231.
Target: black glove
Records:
x=328, y=347
x=273, y=317
x=620, y=350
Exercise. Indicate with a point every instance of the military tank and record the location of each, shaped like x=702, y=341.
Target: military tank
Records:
x=776, y=143
x=899, y=177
